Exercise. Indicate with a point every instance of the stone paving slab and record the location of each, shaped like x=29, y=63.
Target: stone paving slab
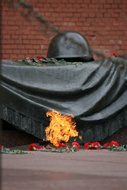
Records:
x=84, y=169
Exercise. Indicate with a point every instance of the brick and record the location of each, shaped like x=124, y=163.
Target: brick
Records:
x=103, y=20
x=32, y=51
x=9, y=51
x=122, y=1
x=110, y=1
x=94, y=1
x=91, y=15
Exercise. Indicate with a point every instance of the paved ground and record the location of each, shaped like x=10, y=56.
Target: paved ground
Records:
x=82, y=170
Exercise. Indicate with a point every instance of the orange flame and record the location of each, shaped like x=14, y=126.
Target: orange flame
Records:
x=61, y=127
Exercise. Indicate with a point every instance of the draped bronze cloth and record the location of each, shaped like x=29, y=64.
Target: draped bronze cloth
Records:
x=95, y=93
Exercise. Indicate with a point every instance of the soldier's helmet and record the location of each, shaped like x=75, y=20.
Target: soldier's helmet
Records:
x=70, y=45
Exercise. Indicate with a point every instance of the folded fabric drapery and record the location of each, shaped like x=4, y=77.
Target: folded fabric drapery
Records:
x=95, y=93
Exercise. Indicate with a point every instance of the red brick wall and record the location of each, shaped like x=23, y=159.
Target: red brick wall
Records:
x=102, y=22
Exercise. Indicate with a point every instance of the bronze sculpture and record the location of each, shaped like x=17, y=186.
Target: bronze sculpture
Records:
x=70, y=46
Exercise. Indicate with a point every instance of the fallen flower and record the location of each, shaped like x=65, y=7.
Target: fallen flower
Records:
x=111, y=144
x=1, y=147
x=92, y=145
x=111, y=54
x=34, y=146
x=114, y=143
x=76, y=144
x=30, y=57
x=62, y=145
x=39, y=58
x=87, y=145
x=106, y=145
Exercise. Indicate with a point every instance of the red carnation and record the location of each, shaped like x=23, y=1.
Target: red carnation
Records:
x=30, y=57
x=111, y=144
x=96, y=145
x=76, y=144
x=1, y=147
x=39, y=58
x=62, y=145
x=114, y=143
x=92, y=145
x=106, y=145
x=111, y=54
x=87, y=145
x=3, y=57
x=34, y=146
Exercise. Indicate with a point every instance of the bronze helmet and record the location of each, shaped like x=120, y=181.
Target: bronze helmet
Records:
x=70, y=45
